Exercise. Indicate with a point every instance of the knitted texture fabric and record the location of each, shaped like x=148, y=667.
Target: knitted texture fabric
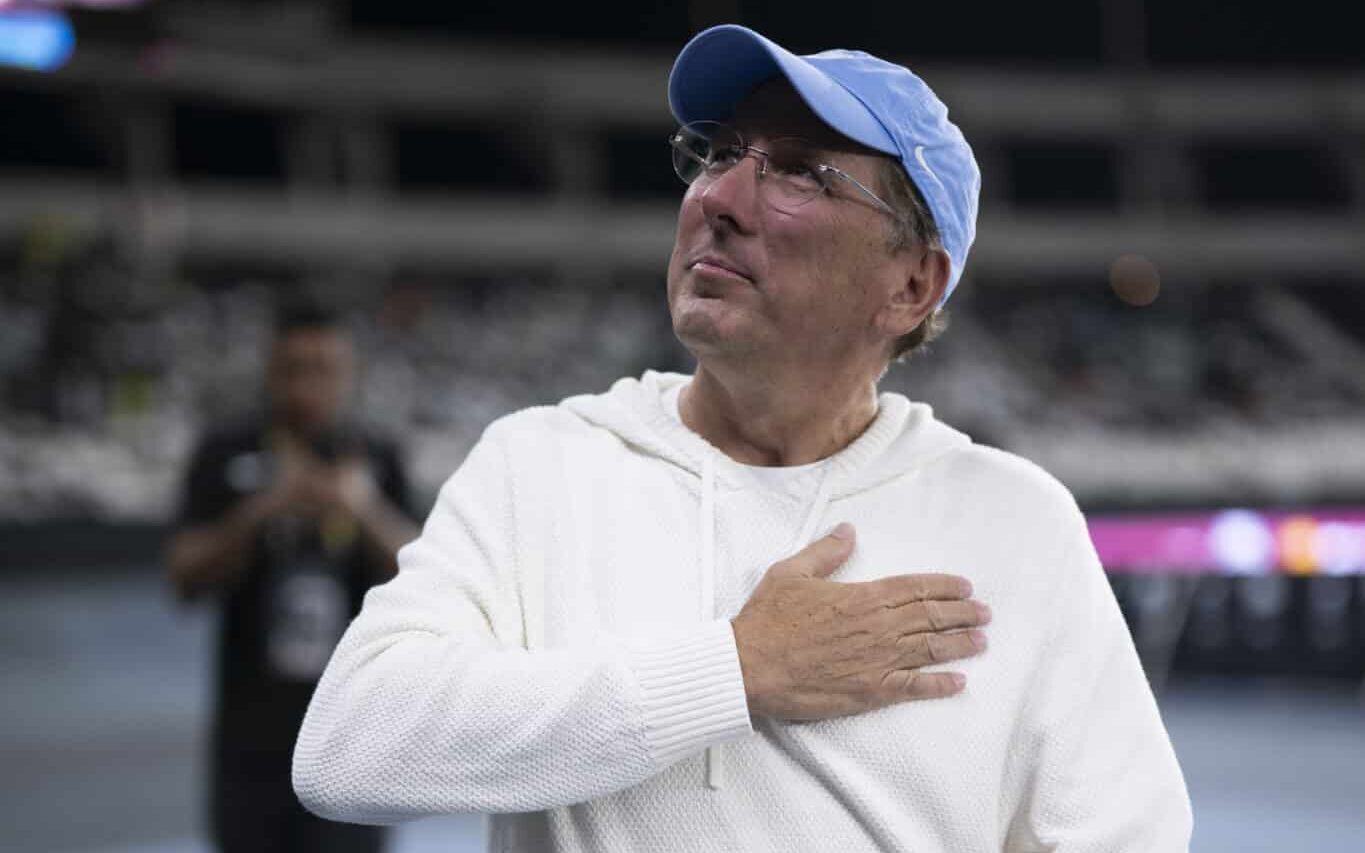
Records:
x=541, y=654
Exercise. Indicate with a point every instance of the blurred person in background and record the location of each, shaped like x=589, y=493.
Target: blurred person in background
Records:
x=742, y=610
x=286, y=521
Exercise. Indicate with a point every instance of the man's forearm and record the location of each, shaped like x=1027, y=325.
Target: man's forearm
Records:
x=407, y=723
x=434, y=703
x=209, y=556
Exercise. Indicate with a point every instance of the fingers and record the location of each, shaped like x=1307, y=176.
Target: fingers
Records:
x=820, y=558
x=900, y=685
x=917, y=650
x=924, y=616
x=899, y=590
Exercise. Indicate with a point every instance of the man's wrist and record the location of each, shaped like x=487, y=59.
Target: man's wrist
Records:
x=751, y=696
x=691, y=695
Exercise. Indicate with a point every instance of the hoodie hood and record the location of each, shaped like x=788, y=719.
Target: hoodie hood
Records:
x=903, y=436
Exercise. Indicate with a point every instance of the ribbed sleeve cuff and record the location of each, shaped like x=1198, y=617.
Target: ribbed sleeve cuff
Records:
x=693, y=690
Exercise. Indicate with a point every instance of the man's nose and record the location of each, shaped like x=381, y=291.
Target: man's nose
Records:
x=732, y=197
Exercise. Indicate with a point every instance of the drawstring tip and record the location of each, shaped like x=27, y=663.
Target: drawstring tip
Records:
x=715, y=768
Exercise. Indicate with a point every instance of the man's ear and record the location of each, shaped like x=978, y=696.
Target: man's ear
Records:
x=921, y=287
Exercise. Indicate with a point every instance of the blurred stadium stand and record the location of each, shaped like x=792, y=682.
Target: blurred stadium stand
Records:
x=484, y=206
x=1165, y=306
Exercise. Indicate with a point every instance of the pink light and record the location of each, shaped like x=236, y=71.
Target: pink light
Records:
x=1228, y=541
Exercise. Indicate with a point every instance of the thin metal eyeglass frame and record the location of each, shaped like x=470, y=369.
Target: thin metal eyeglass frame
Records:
x=675, y=140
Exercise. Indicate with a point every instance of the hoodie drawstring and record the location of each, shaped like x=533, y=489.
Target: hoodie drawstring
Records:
x=715, y=757
x=715, y=761
x=708, y=539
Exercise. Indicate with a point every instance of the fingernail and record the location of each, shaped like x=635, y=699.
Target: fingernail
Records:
x=983, y=612
x=959, y=680
x=842, y=530
x=978, y=639
x=966, y=587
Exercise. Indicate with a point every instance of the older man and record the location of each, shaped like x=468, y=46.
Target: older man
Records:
x=743, y=610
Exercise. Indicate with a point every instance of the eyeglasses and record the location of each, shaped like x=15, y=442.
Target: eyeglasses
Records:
x=789, y=175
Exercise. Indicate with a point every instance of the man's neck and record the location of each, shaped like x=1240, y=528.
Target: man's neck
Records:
x=766, y=421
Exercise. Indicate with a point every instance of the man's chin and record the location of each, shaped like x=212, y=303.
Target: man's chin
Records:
x=705, y=336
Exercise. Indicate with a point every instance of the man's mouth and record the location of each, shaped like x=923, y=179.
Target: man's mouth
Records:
x=717, y=267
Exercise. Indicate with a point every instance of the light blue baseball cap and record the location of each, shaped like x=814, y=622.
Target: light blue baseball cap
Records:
x=871, y=101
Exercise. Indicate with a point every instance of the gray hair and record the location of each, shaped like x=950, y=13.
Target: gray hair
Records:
x=913, y=226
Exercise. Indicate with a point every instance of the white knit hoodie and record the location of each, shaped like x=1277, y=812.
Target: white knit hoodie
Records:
x=556, y=650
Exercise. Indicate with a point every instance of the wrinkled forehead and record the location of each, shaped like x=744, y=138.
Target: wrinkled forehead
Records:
x=773, y=109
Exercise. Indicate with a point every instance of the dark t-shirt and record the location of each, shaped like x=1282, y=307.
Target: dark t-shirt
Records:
x=304, y=582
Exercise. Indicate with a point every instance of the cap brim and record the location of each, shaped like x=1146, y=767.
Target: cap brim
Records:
x=723, y=64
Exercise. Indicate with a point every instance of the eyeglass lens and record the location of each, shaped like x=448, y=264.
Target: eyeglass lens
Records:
x=791, y=177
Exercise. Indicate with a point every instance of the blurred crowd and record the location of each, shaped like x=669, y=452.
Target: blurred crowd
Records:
x=108, y=377
x=107, y=373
